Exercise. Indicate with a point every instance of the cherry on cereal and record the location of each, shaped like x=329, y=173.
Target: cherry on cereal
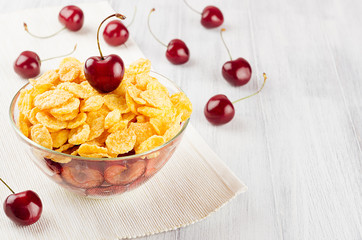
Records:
x=28, y=63
x=104, y=73
x=72, y=17
x=177, y=51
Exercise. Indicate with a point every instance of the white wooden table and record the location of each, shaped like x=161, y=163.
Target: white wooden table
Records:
x=297, y=145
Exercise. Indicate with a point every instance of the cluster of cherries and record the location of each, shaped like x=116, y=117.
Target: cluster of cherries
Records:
x=105, y=73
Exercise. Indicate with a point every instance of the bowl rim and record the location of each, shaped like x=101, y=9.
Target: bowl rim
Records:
x=130, y=157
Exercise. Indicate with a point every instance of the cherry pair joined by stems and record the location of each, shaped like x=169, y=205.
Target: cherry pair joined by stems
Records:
x=220, y=110
x=211, y=16
x=71, y=17
x=27, y=64
x=177, y=52
x=104, y=73
x=23, y=208
x=116, y=33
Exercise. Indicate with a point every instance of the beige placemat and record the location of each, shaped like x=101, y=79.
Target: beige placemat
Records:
x=193, y=184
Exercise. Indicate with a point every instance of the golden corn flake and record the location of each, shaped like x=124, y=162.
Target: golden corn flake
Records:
x=62, y=111
x=156, y=85
x=79, y=135
x=93, y=103
x=95, y=120
x=49, y=121
x=40, y=88
x=156, y=98
x=69, y=71
x=41, y=135
x=149, y=144
x=140, y=66
x=78, y=90
x=60, y=138
x=112, y=118
x=51, y=99
x=113, y=102
x=134, y=94
x=143, y=131
x=32, y=114
x=172, y=131
x=67, y=107
x=121, y=125
x=93, y=151
x=142, y=119
x=132, y=105
x=68, y=116
x=49, y=77
x=64, y=147
x=25, y=101
x=77, y=121
x=150, y=111
x=121, y=141
x=23, y=124
x=183, y=105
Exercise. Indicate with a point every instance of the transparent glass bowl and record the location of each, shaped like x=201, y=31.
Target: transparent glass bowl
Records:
x=99, y=177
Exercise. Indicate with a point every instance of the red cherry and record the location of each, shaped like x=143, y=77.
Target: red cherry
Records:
x=104, y=73
x=220, y=110
x=71, y=17
x=115, y=33
x=237, y=72
x=211, y=16
x=28, y=63
x=177, y=51
x=23, y=208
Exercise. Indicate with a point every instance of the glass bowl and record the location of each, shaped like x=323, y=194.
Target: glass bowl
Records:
x=99, y=177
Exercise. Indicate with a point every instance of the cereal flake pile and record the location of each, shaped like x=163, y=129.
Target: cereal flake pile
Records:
x=64, y=113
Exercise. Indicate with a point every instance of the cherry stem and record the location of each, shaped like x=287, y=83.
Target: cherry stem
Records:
x=7, y=186
x=75, y=47
x=149, y=27
x=118, y=15
x=193, y=9
x=43, y=37
x=262, y=86
x=222, y=38
x=133, y=17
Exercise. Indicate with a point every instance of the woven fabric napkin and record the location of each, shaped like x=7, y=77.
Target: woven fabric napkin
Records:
x=194, y=183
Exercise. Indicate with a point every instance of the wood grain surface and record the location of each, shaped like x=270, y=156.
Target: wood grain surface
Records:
x=297, y=145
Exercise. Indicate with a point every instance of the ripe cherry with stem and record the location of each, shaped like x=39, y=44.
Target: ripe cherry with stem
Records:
x=237, y=72
x=220, y=110
x=177, y=52
x=72, y=17
x=28, y=63
x=23, y=208
x=211, y=16
x=104, y=73
x=116, y=33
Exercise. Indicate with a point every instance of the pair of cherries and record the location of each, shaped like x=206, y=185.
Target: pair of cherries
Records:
x=23, y=208
x=28, y=63
x=219, y=109
x=177, y=52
